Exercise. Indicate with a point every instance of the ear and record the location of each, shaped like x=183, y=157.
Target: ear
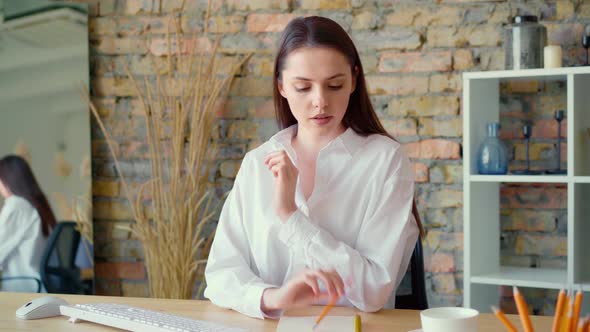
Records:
x=355, y=75
x=281, y=89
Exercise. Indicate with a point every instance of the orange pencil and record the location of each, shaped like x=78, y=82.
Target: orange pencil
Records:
x=566, y=309
x=577, y=308
x=523, y=310
x=583, y=325
x=570, y=317
x=327, y=309
x=587, y=324
x=504, y=320
x=558, y=311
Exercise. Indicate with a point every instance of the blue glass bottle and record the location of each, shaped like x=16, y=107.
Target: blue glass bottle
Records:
x=492, y=157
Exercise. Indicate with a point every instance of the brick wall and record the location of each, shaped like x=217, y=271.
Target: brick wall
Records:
x=413, y=54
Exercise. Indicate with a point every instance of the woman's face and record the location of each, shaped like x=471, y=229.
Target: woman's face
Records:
x=3, y=190
x=317, y=83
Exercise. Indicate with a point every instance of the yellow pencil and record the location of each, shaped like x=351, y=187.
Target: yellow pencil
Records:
x=357, y=324
x=523, y=310
x=504, y=320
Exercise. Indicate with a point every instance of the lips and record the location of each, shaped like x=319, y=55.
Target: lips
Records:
x=322, y=116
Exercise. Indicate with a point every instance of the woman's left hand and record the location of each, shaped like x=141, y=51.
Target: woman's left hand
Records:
x=285, y=174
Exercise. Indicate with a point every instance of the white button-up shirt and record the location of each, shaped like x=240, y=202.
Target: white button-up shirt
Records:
x=21, y=242
x=358, y=221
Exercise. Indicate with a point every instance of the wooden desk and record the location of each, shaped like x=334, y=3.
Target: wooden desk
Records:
x=385, y=320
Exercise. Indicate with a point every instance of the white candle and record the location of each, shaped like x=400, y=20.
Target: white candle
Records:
x=552, y=56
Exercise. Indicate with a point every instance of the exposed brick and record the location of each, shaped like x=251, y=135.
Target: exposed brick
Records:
x=444, y=198
x=439, y=240
x=112, y=230
x=441, y=128
x=257, y=4
x=539, y=151
x=111, y=45
x=486, y=35
x=527, y=244
x=462, y=59
x=105, y=188
x=529, y=220
x=546, y=197
x=268, y=22
x=402, y=127
x=421, y=16
x=229, y=168
x=366, y=19
x=565, y=9
x=424, y=106
x=448, y=174
x=397, y=39
x=440, y=263
x=226, y=24
x=415, y=62
x=134, y=289
x=564, y=34
x=449, y=218
x=159, y=46
x=489, y=13
x=112, y=86
x=392, y=85
x=490, y=58
x=584, y=10
x=108, y=287
x=121, y=270
x=111, y=210
x=521, y=87
x=325, y=4
x=243, y=130
x=251, y=87
x=434, y=149
x=542, y=128
x=445, y=83
x=421, y=174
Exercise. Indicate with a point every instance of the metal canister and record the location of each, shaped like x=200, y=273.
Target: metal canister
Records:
x=524, y=43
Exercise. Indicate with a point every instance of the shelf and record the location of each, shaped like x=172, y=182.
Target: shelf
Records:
x=582, y=179
x=520, y=178
x=524, y=74
x=524, y=277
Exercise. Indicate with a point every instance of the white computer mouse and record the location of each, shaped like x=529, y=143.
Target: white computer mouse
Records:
x=42, y=307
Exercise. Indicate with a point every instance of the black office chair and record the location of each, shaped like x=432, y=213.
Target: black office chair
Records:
x=58, y=270
x=416, y=300
x=17, y=283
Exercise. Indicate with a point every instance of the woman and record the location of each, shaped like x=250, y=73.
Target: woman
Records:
x=324, y=210
x=25, y=221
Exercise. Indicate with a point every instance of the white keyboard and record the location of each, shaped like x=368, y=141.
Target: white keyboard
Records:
x=138, y=319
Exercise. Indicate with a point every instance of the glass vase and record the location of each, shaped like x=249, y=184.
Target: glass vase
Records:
x=492, y=157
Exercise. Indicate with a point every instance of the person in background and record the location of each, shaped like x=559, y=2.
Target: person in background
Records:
x=323, y=211
x=26, y=220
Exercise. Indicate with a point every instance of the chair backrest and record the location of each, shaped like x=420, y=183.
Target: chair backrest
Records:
x=416, y=300
x=58, y=270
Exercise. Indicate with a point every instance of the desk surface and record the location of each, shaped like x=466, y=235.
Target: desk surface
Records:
x=385, y=320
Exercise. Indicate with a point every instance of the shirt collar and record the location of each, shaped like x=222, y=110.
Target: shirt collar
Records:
x=349, y=140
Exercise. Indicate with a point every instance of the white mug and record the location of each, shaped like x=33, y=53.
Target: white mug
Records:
x=449, y=319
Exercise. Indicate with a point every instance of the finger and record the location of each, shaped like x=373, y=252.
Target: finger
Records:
x=338, y=282
x=313, y=283
x=326, y=280
x=275, y=154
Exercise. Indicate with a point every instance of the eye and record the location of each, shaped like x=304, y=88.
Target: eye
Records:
x=301, y=89
x=335, y=87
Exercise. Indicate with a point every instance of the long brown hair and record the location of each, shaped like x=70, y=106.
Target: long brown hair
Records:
x=17, y=176
x=317, y=31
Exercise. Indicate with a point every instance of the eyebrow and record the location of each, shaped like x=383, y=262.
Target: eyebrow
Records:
x=329, y=78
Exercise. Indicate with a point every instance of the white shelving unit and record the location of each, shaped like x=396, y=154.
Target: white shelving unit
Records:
x=483, y=272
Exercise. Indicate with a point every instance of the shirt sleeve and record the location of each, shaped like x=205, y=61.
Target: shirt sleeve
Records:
x=14, y=227
x=230, y=280
x=383, y=248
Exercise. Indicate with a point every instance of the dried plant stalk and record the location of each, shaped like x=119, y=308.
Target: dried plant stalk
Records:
x=179, y=127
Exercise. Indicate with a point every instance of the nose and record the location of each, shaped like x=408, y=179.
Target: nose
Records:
x=320, y=100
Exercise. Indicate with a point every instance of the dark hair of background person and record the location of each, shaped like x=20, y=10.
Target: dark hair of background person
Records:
x=17, y=176
x=317, y=31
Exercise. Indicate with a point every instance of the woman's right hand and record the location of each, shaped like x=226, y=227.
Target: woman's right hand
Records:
x=303, y=290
